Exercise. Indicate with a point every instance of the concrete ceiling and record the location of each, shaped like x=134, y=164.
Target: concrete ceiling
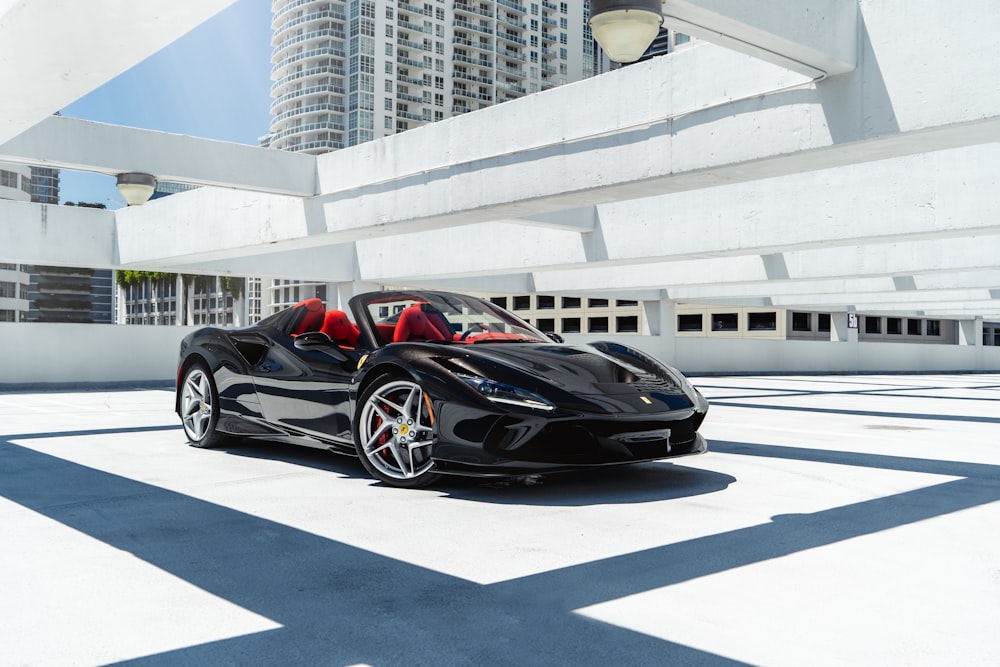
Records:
x=827, y=155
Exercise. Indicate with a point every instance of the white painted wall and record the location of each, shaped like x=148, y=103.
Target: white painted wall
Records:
x=61, y=353
x=736, y=355
x=54, y=354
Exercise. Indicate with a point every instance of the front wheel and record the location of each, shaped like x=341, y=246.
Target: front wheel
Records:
x=394, y=433
x=200, y=408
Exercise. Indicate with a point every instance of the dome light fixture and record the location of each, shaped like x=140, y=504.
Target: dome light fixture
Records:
x=136, y=188
x=625, y=28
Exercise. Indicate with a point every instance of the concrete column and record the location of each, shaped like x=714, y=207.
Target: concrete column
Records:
x=344, y=292
x=970, y=332
x=120, y=305
x=179, y=299
x=660, y=321
x=840, y=332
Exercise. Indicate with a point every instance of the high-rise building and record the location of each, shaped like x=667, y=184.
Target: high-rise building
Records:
x=30, y=293
x=70, y=294
x=178, y=299
x=349, y=71
x=45, y=185
x=14, y=292
x=15, y=182
x=153, y=298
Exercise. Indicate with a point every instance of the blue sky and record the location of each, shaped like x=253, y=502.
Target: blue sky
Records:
x=213, y=82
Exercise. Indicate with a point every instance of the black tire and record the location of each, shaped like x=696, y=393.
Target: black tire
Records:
x=394, y=433
x=200, y=407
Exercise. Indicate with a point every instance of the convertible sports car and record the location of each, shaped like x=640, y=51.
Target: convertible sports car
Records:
x=423, y=383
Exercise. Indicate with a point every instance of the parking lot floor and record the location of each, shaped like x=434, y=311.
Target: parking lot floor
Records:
x=837, y=520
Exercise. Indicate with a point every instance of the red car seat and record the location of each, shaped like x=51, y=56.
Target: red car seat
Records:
x=340, y=329
x=312, y=320
x=413, y=325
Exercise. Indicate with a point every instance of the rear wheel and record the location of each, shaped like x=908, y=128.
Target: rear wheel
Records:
x=394, y=434
x=200, y=408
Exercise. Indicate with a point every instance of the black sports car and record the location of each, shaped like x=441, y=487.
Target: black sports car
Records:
x=422, y=383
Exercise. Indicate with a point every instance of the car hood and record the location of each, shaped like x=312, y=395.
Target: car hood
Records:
x=610, y=378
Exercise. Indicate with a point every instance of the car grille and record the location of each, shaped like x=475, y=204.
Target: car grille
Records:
x=595, y=441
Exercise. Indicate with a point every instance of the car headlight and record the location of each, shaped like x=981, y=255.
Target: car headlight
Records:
x=498, y=392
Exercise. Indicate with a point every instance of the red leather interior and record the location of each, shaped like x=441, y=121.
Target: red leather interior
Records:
x=340, y=329
x=313, y=318
x=413, y=325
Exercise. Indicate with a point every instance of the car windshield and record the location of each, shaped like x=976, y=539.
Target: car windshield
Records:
x=441, y=317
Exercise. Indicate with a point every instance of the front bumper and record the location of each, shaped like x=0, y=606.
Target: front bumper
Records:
x=477, y=440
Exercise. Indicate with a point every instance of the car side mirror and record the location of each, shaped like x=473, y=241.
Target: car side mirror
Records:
x=317, y=341
x=556, y=338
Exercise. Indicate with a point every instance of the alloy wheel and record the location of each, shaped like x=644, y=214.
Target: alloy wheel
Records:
x=396, y=431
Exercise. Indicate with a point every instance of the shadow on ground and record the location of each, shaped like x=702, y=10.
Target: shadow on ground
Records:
x=614, y=485
x=342, y=605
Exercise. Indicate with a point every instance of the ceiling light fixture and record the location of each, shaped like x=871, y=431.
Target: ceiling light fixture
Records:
x=136, y=188
x=625, y=28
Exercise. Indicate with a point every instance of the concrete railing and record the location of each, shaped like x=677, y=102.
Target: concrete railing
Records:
x=57, y=354
x=40, y=355
x=722, y=356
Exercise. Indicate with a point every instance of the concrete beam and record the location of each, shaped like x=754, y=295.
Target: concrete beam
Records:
x=815, y=38
x=211, y=224
x=70, y=143
x=524, y=157
x=954, y=279
x=932, y=196
x=54, y=52
x=470, y=250
x=901, y=299
x=57, y=235
x=324, y=263
x=913, y=258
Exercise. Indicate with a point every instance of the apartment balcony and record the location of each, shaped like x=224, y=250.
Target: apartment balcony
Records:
x=406, y=78
x=513, y=5
x=469, y=9
x=480, y=45
x=312, y=36
x=509, y=20
x=336, y=126
x=319, y=146
x=512, y=86
x=478, y=27
x=291, y=6
x=278, y=88
x=465, y=76
x=510, y=37
x=482, y=62
x=405, y=6
x=417, y=99
x=513, y=71
x=303, y=93
x=329, y=51
x=311, y=17
x=410, y=62
x=309, y=109
x=410, y=44
x=463, y=92
x=405, y=23
x=412, y=116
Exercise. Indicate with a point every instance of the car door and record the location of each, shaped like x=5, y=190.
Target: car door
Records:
x=306, y=391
